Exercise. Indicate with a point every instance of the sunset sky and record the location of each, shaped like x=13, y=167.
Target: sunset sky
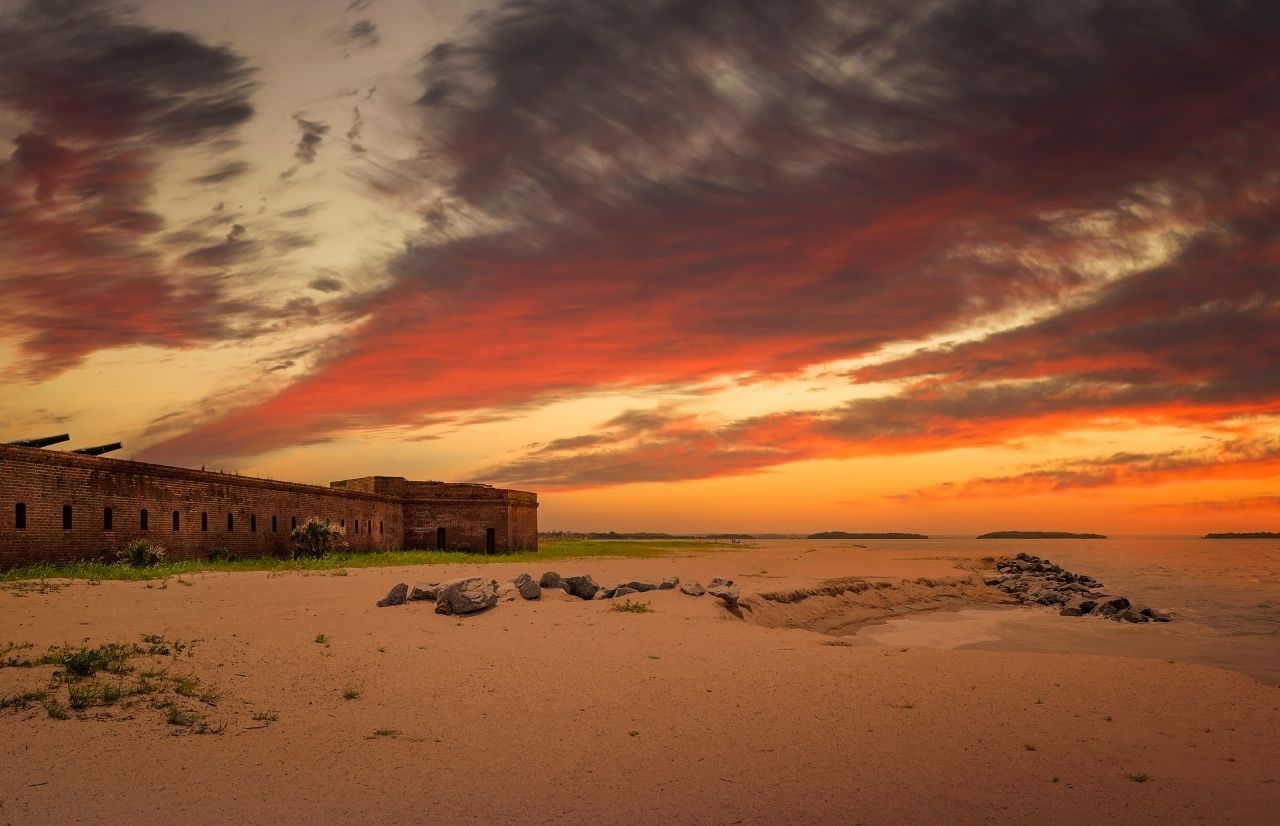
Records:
x=758, y=265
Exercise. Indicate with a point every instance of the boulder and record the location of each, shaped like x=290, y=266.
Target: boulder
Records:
x=1071, y=611
x=582, y=586
x=420, y=592
x=527, y=587
x=398, y=595
x=1153, y=615
x=466, y=596
x=640, y=586
x=693, y=589
x=728, y=594
x=716, y=582
x=623, y=590
x=1108, y=605
x=553, y=580
x=668, y=582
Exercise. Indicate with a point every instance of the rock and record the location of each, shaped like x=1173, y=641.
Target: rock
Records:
x=717, y=582
x=726, y=593
x=466, y=596
x=527, y=587
x=992, y=581
x=582, y=586
x=641, y=586
x=398, y=595
x=1153, y=615
x=553, y=580
x=420, y=592
x=1108, y=605
x=624, y=590
x=1071, y=611
x=693, y=589
x=668, y=582
x=603, y=593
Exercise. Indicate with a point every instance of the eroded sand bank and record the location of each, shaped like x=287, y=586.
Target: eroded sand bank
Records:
x=567, y=711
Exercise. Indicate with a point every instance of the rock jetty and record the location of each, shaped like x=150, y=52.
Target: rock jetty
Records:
x=1035, y=581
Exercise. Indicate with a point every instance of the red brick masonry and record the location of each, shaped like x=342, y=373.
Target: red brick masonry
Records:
x=194, y=512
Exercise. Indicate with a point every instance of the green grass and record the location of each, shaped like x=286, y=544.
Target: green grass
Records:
x=551, y=551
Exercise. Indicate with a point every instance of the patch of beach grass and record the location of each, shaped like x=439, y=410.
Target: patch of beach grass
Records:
x=1139, y=778
x=629, y=607
x=553, y=550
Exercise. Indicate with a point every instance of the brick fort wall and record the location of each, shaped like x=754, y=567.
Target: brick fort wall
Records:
x=61, y=507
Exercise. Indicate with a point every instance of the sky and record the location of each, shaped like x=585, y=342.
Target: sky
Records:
x=686, y=265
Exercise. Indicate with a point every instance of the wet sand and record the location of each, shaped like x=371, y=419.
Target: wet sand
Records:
x=565, y=711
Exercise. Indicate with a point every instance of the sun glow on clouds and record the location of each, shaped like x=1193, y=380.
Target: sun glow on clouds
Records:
x=677, y=264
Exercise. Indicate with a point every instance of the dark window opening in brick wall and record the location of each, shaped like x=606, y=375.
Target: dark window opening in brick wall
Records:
x=293, y=523
x=441, y=536
x=231, y=523
x=66, y=517
x=379, y=527
x=342, y=523
x=357, y=526
x=368, y=526
x=204, y=521
x=177, y=520
x=142, y=519
x=106, y=519
x=490, y=540
x=273, y=523
x=253, y=523
x=20, y=516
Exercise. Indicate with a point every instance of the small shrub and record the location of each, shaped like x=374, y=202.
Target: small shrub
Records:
x=56, y=710
x=1139, y=778
x=221, y=554
x=1029, y=746
x=629, y=607
x=385, y=732
x=269, y=716
x=351, y=694
x=142, y=553
x=318, y=538
x=322, y=639
x=178, y=717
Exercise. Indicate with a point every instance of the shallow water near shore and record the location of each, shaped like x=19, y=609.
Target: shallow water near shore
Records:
x=1225, y=595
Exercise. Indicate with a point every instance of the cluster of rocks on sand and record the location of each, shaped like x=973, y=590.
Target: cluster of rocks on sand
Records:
x=1035, y=581
x=466, y=596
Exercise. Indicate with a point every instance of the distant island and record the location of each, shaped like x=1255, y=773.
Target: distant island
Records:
x=1040, y=535
x=847, y=535
x=1249, y=535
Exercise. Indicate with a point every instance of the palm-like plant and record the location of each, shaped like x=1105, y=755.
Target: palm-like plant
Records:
x=318, y=537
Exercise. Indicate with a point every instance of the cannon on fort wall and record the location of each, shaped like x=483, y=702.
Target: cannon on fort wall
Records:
x=42, y=441
x=98, y=450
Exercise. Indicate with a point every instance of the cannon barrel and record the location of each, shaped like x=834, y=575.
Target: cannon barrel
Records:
x=42, y=441
x=98, y=450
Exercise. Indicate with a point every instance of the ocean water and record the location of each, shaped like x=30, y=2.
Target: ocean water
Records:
x=1225, y=595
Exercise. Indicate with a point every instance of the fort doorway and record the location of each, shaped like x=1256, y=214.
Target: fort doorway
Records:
x=490, y=540
x=440, y=539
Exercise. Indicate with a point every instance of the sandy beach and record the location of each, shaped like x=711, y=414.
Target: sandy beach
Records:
x=565, y=711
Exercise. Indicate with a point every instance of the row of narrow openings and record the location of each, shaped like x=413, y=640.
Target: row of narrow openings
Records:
x=108, y=520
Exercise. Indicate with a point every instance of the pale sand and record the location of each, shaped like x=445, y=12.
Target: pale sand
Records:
x=524, y=713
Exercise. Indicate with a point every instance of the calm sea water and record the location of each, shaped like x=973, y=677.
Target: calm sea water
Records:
x=1225, y=595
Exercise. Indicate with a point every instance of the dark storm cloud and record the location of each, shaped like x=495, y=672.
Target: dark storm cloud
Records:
x=82, y=69
x=678, y=190
x=95, y=99
x=311, y=135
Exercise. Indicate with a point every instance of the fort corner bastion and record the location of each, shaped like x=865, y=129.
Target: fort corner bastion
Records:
x=60, y=507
